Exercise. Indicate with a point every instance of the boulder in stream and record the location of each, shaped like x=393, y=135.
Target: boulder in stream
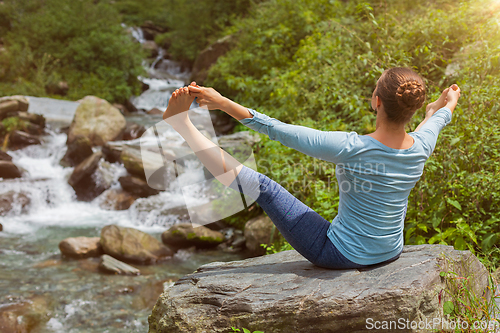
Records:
x=137, y=187
x=78, y=150
x=5, y=157
x=284, y=292
x=97, y=120
x=19, y=139
x=83, y=180
x=131, y=245
x=111, y=265
x=184, y=235
x=81, y=247
x=9, y=170
x=11, y=104
x=116, y=199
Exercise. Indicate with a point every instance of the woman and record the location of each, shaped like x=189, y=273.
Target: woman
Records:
x=376, y=172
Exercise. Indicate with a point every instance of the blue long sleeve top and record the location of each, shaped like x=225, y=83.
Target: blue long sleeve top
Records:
x=374, y=181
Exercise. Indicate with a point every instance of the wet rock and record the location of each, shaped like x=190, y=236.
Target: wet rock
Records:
x=81, y=247
x=24, y=316
x=137, y=186
x=5, y=157
x=284, y=292
x=78, y=150
x=133, y=131
x=187, y=234
x=112, y=266
x=33, y=118
x=130, y=106
x=97, y=120
x=208, y=57
x=9, y=170
x=85, y=168
x=1, y=227
x=155, y=111
x=131, y=245
x=17, y=201
x=19, y=139
x=88, y=179
x=111, y=153
x=150, y=30
x=117, y=199
x=259, y=230
x=12, y=104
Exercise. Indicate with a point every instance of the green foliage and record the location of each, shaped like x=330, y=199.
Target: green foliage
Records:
x=11, y=124
x=315, y=63
x=81, y=42
x=463, y=301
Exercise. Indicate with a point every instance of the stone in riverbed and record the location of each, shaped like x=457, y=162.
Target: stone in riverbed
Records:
x=112, y=266
x=117, y=199
x=9, y=170
x=13, y=200
x=81, y=247
x=284, y=292
x=184, y=235
x=137, y=186
x=87, y=180
x=11, y=104
x=259, y=230
x=131, y=245
x=19, y=139
x=78, y=150
x=97, y=120
x=4, y=156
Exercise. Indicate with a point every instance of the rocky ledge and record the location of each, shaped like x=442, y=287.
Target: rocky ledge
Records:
x=284, y=292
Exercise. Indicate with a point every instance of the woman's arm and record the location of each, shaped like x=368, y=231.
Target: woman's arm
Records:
x=324, y=145
x=441, y=102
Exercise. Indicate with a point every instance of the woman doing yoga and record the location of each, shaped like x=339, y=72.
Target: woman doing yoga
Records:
x=375, y=172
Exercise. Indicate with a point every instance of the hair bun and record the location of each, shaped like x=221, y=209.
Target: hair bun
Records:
x=411, y=95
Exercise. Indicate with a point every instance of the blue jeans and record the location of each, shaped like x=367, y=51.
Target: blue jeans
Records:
x=302, y=227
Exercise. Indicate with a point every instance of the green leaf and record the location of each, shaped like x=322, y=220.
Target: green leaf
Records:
x=460, y=243
x=454, y=141
x=442, y=274
x=246, y=331
x=448, y=307
x=454, y=203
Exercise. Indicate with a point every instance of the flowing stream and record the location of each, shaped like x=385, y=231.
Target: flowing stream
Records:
x=71, y=295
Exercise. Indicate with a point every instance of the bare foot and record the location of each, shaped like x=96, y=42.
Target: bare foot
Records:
x=437, y=104
x=179, y=102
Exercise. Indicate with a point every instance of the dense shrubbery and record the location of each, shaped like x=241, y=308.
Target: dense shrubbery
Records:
x=315, y=63
x=81, y=42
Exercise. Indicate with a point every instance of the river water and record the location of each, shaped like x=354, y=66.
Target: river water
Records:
x=71, y=295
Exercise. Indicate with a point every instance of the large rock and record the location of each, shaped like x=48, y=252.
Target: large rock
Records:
x=184, y=235
x=117, y=199
x=81, y=247
x=12, y=104
x=24, y=315
x=208, y=57
x=5, y=157
x=9, y=170
x=137, y=186
x=90, y=178
x=131, y=245
x=17, y=201
x=78, y=150
x=19, y=139
x=284, y=292
x=97, y=120
x=259, y=230
x=110, y=265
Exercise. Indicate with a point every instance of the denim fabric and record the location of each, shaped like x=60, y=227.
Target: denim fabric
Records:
x=302, y=227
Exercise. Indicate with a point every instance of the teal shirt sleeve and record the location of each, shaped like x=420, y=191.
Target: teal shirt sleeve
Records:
x=326, y=145
x=429, y=132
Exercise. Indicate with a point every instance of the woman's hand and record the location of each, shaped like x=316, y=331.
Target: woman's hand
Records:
x=452, y=97
x=208, y=97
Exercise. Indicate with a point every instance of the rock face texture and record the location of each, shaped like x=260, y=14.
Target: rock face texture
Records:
x=259, y=230
x=131, y=245
x=97, y=120
x=284, y=292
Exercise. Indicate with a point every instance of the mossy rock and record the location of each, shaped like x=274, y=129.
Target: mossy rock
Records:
x=185, y=235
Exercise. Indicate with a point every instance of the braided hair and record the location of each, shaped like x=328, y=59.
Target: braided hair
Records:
x=402, y=92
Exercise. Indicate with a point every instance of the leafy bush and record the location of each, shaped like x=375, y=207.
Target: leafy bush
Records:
x=81, y=42
x=315, y=63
